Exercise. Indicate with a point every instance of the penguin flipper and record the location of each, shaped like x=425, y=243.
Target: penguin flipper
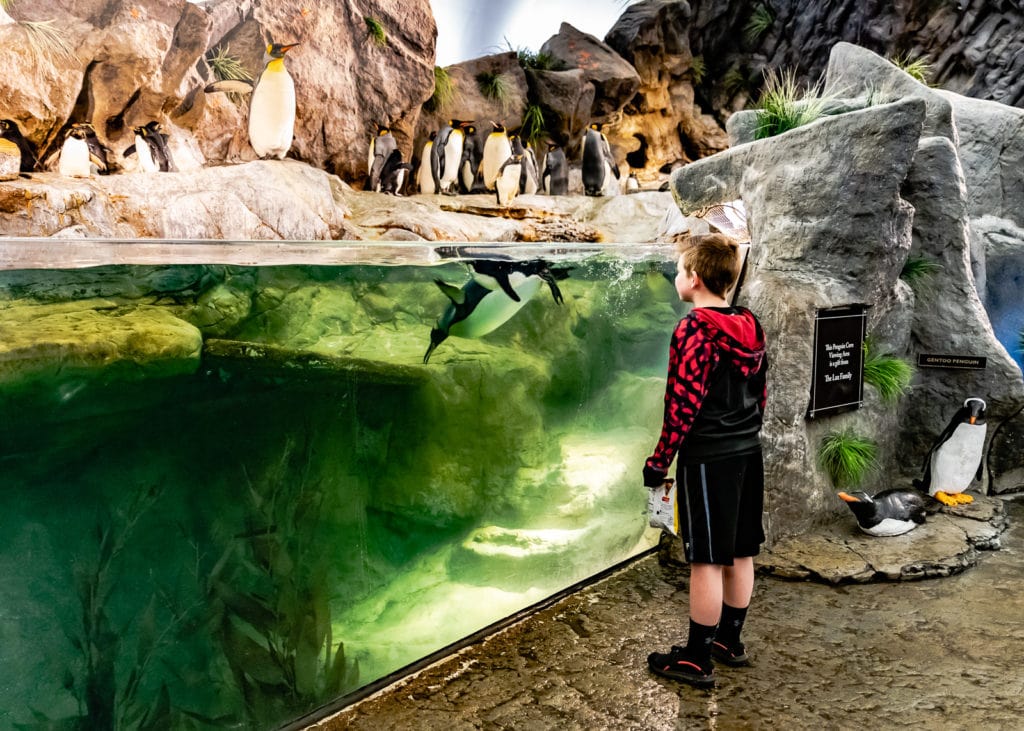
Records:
x=230, y=86
x=129, y=151
x=452, y=292
x=506, y=286
x=556, y=293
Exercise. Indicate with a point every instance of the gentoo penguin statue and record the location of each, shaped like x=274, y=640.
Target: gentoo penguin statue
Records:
x=889, y=513
x=955, y=459
x=475, y=309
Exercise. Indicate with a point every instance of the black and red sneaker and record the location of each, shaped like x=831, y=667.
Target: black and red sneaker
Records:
x=734, y=655
x=679, y=664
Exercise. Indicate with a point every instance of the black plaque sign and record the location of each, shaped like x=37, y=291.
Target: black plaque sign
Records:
x=837, y=384
x=965, y=362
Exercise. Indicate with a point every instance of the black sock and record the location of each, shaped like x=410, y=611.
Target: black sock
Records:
x=731, y=624
x=699, y=642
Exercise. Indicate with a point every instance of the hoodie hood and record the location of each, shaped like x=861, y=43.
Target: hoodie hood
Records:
x=737, y=333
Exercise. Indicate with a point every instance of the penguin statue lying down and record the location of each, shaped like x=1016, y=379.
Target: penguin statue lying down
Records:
x=495, y=293
x=889, y=513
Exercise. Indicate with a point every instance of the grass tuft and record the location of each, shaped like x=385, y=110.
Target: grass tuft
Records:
x=888, y=374
x=918, y=270
x=847, y=458
x=758, y=23
x=784, y=107
x=226, y=67
x=697, y=69
x=376, y=30
x=534, y=127
x=495, y=86
x=444, y=90
x=45, y=38
x=918, y=68
x=734, y=81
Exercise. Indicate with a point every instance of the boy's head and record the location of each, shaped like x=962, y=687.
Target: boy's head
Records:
x=714, y=258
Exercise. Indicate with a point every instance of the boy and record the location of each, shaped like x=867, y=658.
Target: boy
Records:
x=714, y=402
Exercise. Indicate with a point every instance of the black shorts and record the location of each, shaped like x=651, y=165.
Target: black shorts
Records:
x=720, y=508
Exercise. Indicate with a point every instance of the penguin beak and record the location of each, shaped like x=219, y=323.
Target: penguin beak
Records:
x=846, y=497
x=285, y=49
x=973, y=419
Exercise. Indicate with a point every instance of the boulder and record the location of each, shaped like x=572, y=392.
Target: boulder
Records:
x=566, y=98
x=949, y=316
x=258, y=200
x=615, y=80
x=828, y=228
x=662, y=124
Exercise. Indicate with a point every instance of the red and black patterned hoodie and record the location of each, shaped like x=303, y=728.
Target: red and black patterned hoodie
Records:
x=716, y=390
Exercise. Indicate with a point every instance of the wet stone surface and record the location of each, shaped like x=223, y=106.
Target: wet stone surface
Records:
x=931, y=653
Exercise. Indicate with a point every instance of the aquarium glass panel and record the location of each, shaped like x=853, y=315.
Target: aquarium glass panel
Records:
x=233, y=494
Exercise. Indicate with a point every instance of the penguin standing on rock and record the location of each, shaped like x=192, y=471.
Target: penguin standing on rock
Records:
x=556, y=171
x=889, y=513
x=381, y=147
x=393, y=176
x=151, y=148
x=271, y=104
x=497, y=149
x=425, y=176
x=9, y=130
x=632, y=184
x=446, y=156
x=81, y=153
x=475, y=310
x=469, y=166
x=955, y=459
x=506, y=186
x=598, y=162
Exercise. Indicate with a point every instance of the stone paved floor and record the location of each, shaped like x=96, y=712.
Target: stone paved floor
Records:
x=944, y=653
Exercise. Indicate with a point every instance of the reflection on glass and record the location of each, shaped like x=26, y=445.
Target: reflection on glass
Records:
x=233, y=494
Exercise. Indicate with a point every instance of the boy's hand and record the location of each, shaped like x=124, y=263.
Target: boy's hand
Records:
x=654, y=477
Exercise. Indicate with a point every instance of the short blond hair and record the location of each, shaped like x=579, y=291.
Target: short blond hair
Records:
x=715, y=258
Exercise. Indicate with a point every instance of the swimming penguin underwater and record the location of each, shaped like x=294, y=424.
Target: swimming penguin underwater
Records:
x=889, y=513
x=9, y=130
x=598, y=162
x=955, y=459
x=151, y=148
x=476, y=308
x=556, y=171
x=271, y=106
x=381, y=146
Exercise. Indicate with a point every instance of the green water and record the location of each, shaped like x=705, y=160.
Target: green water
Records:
x=233, y=538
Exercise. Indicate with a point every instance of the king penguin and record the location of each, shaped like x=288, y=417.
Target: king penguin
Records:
x=556, y=171
x=446, y=155
x=598, y=163
x=469, y=166
x=955, y=459
x=506, y=185
x=425, y=176
x=381, y=146
x=497, y=149
x=271, y=106
x=529, y=180
x=889, y=513
x=151, y=148
x=475, y=310
x=9, y=130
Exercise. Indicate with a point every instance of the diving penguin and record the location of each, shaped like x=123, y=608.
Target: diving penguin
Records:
x=889, y=513
x=271, y=106
x=556, y=171
x=381, y=147
x=151, y=148
x=446, y=155
x=9, y=130
x=475, y=310
x=497, y=149
x=424, y=175
x=955, y=459
x=598, y=163
x=506, y=186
